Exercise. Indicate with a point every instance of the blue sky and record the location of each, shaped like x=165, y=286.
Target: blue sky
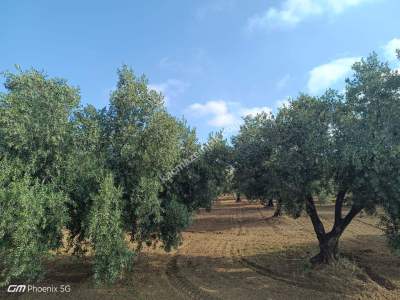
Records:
x=214, y=60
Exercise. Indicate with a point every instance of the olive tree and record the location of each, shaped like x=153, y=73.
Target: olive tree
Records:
x=302, y=160
x=144, y=143
x=253, y=149
x=199, y=182
x=346, y=144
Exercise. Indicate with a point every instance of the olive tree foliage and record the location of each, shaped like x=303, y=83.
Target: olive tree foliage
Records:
x=253, y=148
x=112, y=255
x=35, y=121
x=34, y=143
x=143, y=144
x=213, y=167
x=203, y=180
x=199, y=179
x=83, y=172
x=374, y=97
x=32, y=216
x=181, y=183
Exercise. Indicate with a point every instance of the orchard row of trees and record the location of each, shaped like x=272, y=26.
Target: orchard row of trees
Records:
x=95, y=175
x=344, y=146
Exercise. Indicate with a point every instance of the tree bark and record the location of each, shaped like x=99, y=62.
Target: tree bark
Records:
x=313, y=214
x=329, y=242
x=328, y=250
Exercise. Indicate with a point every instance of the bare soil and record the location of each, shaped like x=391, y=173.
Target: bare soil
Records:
x=239, y=251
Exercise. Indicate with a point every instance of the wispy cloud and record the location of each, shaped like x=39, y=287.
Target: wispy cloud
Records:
x=169, y=89
x=223, y=114
x=326, y=75
x=214, y=7
x=390, y=49
x=293, y=12
x=194, y=62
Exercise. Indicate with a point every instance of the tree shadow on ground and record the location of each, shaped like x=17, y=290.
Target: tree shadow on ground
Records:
x=368, y=269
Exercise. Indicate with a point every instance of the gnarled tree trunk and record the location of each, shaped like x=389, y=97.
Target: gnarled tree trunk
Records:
x=328, y=250
x=329, y=242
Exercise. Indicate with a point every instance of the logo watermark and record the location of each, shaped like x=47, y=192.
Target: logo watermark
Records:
x=31, y=288
x=13, y=288
x=186, y=162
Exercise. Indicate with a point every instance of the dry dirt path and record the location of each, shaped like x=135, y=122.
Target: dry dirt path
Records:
x=239, y=251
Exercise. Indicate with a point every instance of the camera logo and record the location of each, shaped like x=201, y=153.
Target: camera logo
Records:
x=13, y=288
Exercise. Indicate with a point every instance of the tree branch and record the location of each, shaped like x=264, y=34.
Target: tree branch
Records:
x=316, y=221
x=338, y=207
x=350, y=215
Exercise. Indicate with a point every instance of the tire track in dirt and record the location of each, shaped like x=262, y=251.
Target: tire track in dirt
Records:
x=179, y=282
x=226, y=248
x=182, y=284
x=176, y=276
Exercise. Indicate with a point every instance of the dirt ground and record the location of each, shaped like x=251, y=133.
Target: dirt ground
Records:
x=239, y=251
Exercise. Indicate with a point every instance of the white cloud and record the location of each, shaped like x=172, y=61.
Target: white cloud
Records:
x=292, y=12
x=326, y=75
x=220, y=115
x=225, y=114
x=170, y=88
x=390, y=49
